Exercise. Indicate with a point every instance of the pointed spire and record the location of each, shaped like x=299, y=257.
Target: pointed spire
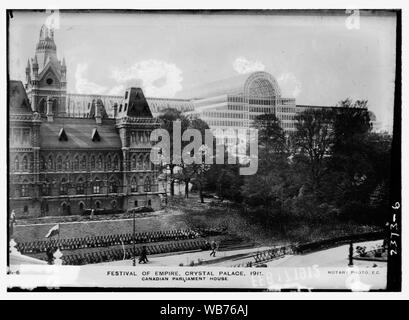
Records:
x=46, y=32
x=46, y=40
x=63, y=66
x=35, y=62
x=28, y=64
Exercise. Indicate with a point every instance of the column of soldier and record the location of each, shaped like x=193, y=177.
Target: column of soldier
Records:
x=106, y=241
x=127, y=254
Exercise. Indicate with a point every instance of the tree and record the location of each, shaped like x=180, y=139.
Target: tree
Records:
x=196, y=171
x=266, y=187
x=271, y=136
x=167, y=119
x=226, y=181
x=313, y=142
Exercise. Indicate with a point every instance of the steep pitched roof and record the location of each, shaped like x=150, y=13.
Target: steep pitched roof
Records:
x=135, y=105
x=18, y=100
x=79, y=132
x=51, y=66
x=232, y=85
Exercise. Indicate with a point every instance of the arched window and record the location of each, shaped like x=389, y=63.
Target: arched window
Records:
x=84, y=163
x=24, y=164
x=114, y=204
x=147, y=184
x=99, y=163
x=63, y=186
x=113, y=186
x=65, y=209
x=50, y=163
x=76, y=164
x=116, y=162
x=140, y=162
x=80, y=186
x=146, y=162
x=55, y=106
x=82, y=206
x=67, y=163
x=97, y=204
x=42, y=163
x=133, y=162
x=25, y=189
x=108, y=162
x=26, y=136
x=16, y=164
x=96, y=187
x=134, y=185
x=92, y=162
x=59, y=163
x=42, y=106
x=45, y=189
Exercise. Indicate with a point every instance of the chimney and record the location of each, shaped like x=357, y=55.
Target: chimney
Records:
x=115, y=109
x=35, y=68
x=98, y=117
x=28, y=72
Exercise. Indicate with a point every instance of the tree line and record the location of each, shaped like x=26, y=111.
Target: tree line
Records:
x=333, y=166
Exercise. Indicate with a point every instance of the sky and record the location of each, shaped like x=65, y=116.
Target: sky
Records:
x=318, y=59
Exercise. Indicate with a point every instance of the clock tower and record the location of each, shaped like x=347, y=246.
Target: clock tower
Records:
x=46, y=81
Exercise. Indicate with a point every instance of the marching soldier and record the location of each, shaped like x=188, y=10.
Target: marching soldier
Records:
x=144, y=255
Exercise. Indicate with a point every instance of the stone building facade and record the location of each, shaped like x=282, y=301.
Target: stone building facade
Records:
x=60, y=164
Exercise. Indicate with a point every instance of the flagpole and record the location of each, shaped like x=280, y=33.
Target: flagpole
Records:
x=134, y=253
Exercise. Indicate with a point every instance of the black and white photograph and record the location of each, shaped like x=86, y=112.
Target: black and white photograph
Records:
x=203, y=149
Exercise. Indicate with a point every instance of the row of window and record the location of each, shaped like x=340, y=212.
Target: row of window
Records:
x=23, y=190
x=286, y=109
x=234, y=107
x=225, y=123
x=262, y=109
x=141, y=162
x=224, y=115
x=66, y=207
x=235, y=99
x=263, y=102
x=287, y=101
x=25, y=164
x=20, y=136
x=140, y=136
x=80, y=163
x=286, y=116
x=110, y=162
